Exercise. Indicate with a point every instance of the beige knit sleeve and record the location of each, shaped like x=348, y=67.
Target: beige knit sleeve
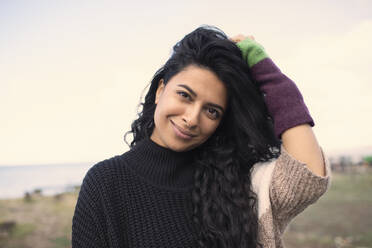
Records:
x=294, y=187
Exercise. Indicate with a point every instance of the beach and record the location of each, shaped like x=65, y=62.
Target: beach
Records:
x=50, y=179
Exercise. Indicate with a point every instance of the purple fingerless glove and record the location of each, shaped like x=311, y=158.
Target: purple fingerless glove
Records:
x=284, y=101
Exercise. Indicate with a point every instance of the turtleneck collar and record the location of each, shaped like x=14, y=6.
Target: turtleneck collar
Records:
x=162, y=166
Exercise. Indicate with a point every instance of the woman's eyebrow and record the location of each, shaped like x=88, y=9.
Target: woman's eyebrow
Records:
x=195, y=95
x=188, y=88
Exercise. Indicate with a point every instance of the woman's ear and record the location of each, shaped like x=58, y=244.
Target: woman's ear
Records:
x=160, y=90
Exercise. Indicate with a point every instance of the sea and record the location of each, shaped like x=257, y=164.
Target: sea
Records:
x=16, y=181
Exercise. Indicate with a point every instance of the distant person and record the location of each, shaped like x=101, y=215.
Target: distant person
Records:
x=215, y=156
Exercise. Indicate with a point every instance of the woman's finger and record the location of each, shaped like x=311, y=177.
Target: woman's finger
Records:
x=237, y=38
x=251, y=37
x=240, y=37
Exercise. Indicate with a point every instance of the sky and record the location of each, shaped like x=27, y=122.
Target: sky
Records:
x=72, y=73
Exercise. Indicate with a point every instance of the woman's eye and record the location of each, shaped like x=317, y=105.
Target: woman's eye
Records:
x=183, y=94
x=214, y=113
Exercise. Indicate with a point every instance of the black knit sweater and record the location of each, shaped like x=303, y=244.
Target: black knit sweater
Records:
x=139, y=199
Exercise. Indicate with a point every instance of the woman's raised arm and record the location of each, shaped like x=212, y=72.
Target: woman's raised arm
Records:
x=292, y=120
x=300, y=142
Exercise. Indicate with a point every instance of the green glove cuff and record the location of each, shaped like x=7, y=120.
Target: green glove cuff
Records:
x=252, y=51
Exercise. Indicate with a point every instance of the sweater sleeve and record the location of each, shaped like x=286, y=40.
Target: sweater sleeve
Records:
x=86, y=228
x=294, y=186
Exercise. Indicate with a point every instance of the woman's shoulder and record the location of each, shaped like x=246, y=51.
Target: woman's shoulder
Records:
x=104, y=178
x=109, y=167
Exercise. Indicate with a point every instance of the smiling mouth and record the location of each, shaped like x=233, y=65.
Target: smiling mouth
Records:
x=181, y=132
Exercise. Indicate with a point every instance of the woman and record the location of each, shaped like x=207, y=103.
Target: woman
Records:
x=215, y=156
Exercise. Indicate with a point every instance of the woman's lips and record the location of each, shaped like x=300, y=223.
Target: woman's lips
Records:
x=181, y=132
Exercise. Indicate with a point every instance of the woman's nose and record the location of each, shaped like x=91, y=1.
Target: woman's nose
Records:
x=191, y=116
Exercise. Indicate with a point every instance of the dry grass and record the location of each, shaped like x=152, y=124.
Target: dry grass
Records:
x=42, y=222
x=341, y=218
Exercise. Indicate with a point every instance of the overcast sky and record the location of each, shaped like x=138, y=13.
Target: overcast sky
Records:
x=72, y=72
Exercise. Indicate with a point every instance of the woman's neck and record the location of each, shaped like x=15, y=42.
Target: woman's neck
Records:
x=162, y=166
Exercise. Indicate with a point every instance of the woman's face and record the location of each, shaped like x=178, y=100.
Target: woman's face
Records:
x=189, y=108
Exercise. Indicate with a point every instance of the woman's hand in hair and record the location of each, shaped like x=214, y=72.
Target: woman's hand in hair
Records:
x=294, y=128
x=252, y=51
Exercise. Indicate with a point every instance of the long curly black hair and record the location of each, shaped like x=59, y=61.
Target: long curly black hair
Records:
x=224, y=205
